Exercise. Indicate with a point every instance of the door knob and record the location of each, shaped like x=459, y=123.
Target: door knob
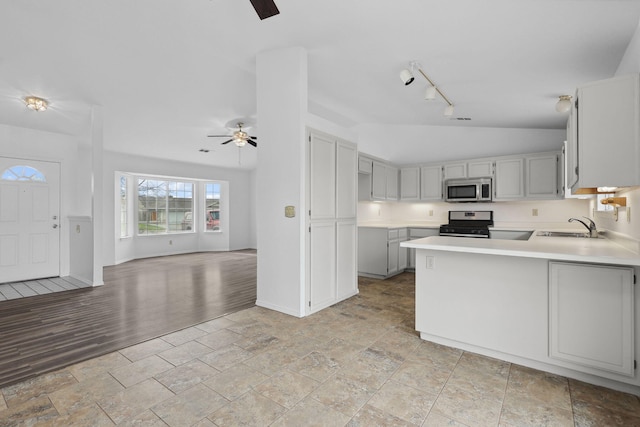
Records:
x=55, y=225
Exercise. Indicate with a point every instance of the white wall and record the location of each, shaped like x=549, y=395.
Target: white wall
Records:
x=405, y=145
x=240, y=204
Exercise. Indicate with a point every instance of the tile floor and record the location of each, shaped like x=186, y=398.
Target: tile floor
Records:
x=358, y=363
x=32, y=288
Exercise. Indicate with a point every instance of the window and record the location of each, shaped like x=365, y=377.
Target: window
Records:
x=124, y=206
x=212, y=206
x=23, y=173
x=164, y=206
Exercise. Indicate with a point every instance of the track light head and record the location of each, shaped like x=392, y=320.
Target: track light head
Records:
x=430, y=93
x=406, y=76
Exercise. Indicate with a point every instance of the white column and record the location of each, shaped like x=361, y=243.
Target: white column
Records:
x=282, y=110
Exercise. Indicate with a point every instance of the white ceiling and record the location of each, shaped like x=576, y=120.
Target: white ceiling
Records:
x=169, y=72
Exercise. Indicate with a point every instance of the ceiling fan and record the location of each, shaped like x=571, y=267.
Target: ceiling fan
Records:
x=239, y=137
x=265, y=8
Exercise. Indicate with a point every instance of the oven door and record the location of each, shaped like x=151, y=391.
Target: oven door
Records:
x=461, y=192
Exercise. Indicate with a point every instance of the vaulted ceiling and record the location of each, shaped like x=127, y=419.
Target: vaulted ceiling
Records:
x=169, y=72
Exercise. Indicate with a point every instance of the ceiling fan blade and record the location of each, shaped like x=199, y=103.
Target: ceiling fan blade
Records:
x=255, y=144
x=219, y=136
x=226, y=142
x=265, y=8
x=253, y=137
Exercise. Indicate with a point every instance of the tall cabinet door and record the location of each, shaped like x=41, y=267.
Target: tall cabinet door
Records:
x=346, y=176
x=322, y=177
x=322, y=264
x=346, y=258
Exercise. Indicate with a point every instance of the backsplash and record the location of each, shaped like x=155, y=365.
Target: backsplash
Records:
x=520, y=212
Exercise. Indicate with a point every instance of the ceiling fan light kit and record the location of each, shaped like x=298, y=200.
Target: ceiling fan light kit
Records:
x=406, y=76
x=239, y=137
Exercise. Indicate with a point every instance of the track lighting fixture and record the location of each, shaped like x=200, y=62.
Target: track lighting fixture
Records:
x=564, y=104
x=35, y=103
x=406, y=76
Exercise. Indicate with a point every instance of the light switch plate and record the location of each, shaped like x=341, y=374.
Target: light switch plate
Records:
x=290, y=211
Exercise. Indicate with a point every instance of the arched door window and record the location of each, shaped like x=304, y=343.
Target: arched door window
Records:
x=23, y=173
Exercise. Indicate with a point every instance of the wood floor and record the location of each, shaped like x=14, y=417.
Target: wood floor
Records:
x=140, y=300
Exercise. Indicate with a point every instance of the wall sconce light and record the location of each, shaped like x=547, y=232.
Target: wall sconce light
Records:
x=35, y=103
x=564, y=104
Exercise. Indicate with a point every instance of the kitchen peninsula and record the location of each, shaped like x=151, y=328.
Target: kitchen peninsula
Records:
x=565, y=305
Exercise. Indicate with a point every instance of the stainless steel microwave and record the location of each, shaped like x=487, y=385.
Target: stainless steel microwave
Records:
x=468, y=190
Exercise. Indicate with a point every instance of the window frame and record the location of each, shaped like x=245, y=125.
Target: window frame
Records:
x=171, y=185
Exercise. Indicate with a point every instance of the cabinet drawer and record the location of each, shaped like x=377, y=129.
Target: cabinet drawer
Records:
x=393, y=234
x=423, y=232
x=402, y=233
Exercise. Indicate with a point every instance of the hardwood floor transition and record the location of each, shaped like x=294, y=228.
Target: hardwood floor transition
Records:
x=140, y=300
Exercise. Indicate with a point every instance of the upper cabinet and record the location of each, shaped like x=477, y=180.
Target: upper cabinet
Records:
x=410, y=184
x=379, y=181
x=392, y=183
x=431, y=183
x=541, y=176
x=455, y=170
x=603, y=141
x=509, y=179
x=471, y=169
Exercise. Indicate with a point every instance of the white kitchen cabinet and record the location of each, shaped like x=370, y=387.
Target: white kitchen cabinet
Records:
x=379, y=251
x=379, y=181
x=365, y=165
x=418, y=233
x=541, y=172
x=607, y=133
x=431, y=183
x=508, y=182
x=455, y=170
x=322, y=177
x=347, y=191
x=392, y=183
x=332, y=232
x=479, y=169
x=591, y=318
x=410, y=184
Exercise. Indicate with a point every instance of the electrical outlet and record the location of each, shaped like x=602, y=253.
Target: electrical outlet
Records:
x=171, y=242
x=628, y=213
x=534, y=212
x=430, y=262
x=431, y=212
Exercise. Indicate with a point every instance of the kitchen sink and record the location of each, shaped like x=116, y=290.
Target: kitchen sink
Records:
x=562, y=234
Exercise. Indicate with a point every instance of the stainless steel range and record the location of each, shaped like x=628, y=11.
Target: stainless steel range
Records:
x=468, y=224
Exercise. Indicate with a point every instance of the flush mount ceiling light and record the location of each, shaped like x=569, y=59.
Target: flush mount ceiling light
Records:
x=406, y=76
x=564, y=104
x=35, y=103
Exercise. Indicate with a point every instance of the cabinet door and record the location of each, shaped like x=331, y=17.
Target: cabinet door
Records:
x=322, y=177
x=509, y=179
x=392, y=256
x=372, y=251
x=322, y=275
x=379, y=181
x=402, y=257
x=410, y=183
x=455, y=170
x=609, y=132
x=431, y=183
x=571, y=150
x=346, y=259
x=365, y=165
x=392, y=183
x=346, y=188
x=480, y=169
x=542, y=177
x=591, y=315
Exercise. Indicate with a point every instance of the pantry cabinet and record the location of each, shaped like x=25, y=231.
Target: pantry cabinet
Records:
x=604, y=134
x=332, y=229
x=591, y=318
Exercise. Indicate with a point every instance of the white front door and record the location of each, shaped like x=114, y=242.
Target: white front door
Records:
x=29, y=219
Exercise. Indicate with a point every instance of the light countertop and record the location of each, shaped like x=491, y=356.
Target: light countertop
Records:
x=601, y=250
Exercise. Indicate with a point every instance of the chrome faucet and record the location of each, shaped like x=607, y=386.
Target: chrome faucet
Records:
x=593, y=232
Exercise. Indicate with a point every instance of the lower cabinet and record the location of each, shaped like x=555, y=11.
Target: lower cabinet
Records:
x=591, y=317
x=418, y=233
x=379, y=251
